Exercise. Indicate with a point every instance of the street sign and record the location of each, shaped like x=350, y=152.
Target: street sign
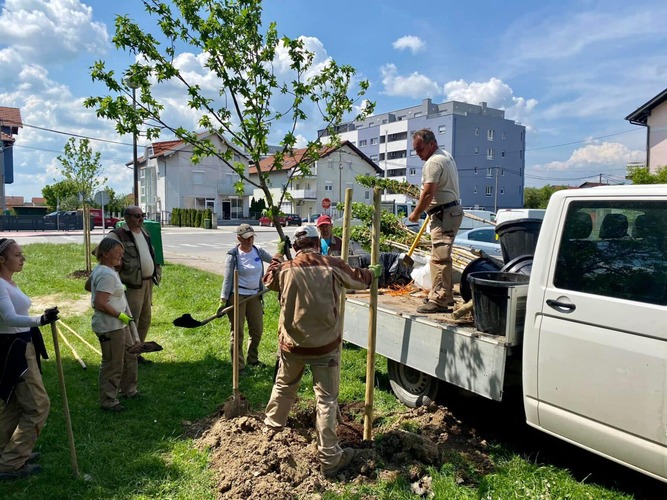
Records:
x=102, y=198
x=326, y=203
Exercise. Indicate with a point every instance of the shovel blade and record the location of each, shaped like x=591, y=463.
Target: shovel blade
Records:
x=235, y=406
x=187, y=321
x=407, y=260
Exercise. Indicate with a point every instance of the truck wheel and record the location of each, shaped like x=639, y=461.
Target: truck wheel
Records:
x=412, y=387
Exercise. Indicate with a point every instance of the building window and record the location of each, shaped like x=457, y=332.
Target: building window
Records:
x=384, y=121
x=363, y=142
x=476, y=130
x=367, y=195
x=413, y=171
x=442, y=129
x=374, y=141
x=474, y=190
x=489, y=172
x=490, y=135
x=502, y=154
x=198, y=178
x=413, y=152
x=476, y=150
x=418, y=114
x=502, y=190
x=502, y=171
x=401, y=118
x=328, y=186
x=476, y=170
x=504, y=135
x=489, y=191
x=374, y=157
x=490, y=154
x=381, y=156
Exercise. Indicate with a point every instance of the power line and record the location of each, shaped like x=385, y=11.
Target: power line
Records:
x=76, y=135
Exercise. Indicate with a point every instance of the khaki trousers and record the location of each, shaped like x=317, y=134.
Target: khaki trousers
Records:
x=326, y=377
x=24, y=417
x=443, y=231
x=119, y=369
x=140, y=301
x=252, y=313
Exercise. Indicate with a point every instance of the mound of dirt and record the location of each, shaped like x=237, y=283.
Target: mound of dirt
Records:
x=251, y=463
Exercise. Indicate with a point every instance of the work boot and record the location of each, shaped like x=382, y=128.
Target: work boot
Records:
x=25, y=471
x=432, y=308
x=345, y=460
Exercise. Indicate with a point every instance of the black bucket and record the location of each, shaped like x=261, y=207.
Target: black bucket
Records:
x=518, y=237
x=490, y=297
x=478, y=265
x=520, y=265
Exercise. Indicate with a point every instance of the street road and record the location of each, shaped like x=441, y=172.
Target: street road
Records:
x=201, y=248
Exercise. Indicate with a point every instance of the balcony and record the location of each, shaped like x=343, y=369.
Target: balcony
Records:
x=303, y=194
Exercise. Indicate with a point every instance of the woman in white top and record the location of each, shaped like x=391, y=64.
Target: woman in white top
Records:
x=249, y=260
x=111, y=323
x=24, y=403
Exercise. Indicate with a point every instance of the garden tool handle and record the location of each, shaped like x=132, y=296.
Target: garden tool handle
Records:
x=419, y=235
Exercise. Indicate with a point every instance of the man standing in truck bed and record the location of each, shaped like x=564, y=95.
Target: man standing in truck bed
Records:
x=440, y=199
x=139, y=271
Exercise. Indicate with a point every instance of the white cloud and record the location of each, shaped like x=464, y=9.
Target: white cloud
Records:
x=410, y=42
x=496, y=94
x=415, y=85
x=602, y=157
x=51, y=31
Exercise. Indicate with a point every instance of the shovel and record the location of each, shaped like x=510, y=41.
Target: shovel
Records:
x=406, y=258
x=237, y=404
x=187, y=321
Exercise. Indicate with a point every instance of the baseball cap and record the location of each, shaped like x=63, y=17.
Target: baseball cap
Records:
x=323, y=219
x=245, y=231
x=305, y=232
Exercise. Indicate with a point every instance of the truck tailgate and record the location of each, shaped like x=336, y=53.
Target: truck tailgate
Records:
x=437, y=345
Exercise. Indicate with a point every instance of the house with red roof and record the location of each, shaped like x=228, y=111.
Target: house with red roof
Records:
x=324, y=184
x=169, y=179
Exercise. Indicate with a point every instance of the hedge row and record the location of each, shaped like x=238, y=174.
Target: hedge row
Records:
x=190, y=217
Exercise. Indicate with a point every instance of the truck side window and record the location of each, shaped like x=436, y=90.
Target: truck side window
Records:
x=615, y=249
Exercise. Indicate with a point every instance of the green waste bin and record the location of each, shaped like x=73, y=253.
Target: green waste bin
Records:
x=207, y=223
x=155, y=232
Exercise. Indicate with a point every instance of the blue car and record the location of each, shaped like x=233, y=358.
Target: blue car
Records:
x=481, y=238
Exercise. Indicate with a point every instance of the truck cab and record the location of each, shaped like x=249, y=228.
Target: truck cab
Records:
x=595, y=342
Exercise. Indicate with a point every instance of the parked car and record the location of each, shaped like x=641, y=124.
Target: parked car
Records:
x=64, y=219
x=266, y=221
x=481, y=238
x=293, y=219
x=109, y=221
x=312, y=218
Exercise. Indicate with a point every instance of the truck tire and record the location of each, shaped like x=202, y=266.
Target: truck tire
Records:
x=412, y=387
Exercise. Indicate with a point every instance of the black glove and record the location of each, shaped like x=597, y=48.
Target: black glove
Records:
x=50, y=315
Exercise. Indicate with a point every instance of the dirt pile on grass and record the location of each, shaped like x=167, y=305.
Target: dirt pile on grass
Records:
x=250, y=463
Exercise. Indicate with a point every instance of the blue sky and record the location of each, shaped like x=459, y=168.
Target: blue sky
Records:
x=570, y=71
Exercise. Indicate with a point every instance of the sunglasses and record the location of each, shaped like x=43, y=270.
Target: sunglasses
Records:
x=138, y=216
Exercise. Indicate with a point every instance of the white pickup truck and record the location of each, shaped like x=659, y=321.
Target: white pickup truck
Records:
x=587, y=336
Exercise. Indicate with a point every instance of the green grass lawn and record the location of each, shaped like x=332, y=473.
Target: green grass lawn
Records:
x=143, y=453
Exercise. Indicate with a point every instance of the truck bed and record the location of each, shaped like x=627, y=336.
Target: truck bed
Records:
x=434, y=344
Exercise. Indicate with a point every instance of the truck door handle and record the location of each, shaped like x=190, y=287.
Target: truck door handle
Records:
x=561, y=306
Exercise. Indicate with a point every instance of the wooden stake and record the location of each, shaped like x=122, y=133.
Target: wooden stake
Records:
x=372, y=319
x=81, y=338
x=63, y=391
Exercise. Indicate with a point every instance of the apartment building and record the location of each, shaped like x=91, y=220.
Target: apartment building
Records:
x=488, y=148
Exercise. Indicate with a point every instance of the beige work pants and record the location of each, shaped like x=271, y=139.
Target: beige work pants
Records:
x=252, y=313
x=119, y=369
x=140, y=301
x=326, y=377
x=23, y=418
x=443, y=231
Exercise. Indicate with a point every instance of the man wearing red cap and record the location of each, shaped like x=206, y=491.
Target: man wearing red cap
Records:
x=329, y=244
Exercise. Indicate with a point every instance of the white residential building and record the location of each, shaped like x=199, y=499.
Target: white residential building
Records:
x=653, y=116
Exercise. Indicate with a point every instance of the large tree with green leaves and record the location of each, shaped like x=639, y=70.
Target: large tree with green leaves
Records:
x=539, y=197
x=643, y=176
x=63, y=194
x=242, y=56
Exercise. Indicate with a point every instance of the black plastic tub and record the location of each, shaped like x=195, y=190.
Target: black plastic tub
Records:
x=490, y=294
x=518, y=237
x=476, y=266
